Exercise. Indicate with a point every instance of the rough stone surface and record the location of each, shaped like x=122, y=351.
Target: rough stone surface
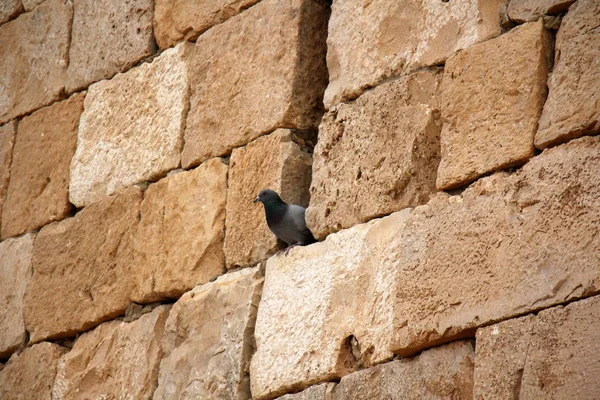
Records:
x=530, y=10
x=371, y=41
x=553, y=355
x=274, y=162
x=15, y=273
x=38, y=192
x=317, y=392
x=33, y=57
x=82, y=268
x=108, y=39
x=116, y=360
x=9, y=9
x=179, y=242
x=261, y=70
x=131, y=128
x=177, y=20
x=31, y=4
x=441, y=373
x=508, y=245
x=7, y=141
x=376, y=155
x=492, y=127
x=573, y=106
x=29, y=375
x=209, y=340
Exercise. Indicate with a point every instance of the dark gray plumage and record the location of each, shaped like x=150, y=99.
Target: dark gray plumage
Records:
x=286, y=221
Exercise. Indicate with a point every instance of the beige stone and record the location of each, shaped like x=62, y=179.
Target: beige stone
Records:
x=323, y=391
x=178, y=20
x=274, y=162
x=573, y=106
x=131, y=128
x=108, y=39
x=530, y=10
x=29, y=375
x=15, y=273
x=9, y=9
x=33, y=57
x=82, y=268
x=492, y=127
x=508, y=245
x=31, y=4
x=376, y=155
x=7, y=141
x=551, y=355
x=38, y=192
x=116, y=360
x=371, y=41
x=179, y=241
x=209, y=340
x=261, y=70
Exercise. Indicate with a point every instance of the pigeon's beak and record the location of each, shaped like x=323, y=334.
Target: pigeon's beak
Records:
x=256, y=199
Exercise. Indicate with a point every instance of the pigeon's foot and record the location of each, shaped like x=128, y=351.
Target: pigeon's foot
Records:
x=287, y=249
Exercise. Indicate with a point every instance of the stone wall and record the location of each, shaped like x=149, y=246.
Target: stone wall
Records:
x=447, y=153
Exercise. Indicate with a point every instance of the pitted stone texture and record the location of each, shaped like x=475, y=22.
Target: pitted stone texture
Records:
x=524, y=241
x=7, y=141
x=371, y=41
x=31, y=4
x=317, y=392
x=273, y=162
x=38, y=192
x=9, y=9
x=177, y=20
x=179, y=241
x=376, y=155
x=131, y=128
x=441, y=373
x=530, y=10
x=209, y=340
x=82, y=268
x=553, y=355
x=573, y=106
x=30, y=375
x=33, y=57
x=15, y=273
x=108, y=39
x=116, y=360
x=494, y=126
x=261, y=70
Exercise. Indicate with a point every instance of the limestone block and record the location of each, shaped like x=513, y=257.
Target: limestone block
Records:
x=492, y=127
x=31, y=4
x=82, y=268
x=530, y=10
x=508, y=245
x=15, y=273
x=116, y=360
x=131, y=128
x=376, y=155
x=551, y=355
x=371, y=41
x=108, y=39
x=178, y=20
x=38, y=192
x=573, y=106
x=33, y=57
x=274, y=162
x=179, y=241
x=30, y=375
x=323, y=391
x=9, y=9
x=208, y=340
x=261, y=70
x=7, y=141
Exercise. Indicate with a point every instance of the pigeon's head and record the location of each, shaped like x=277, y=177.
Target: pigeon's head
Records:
x=267, y=196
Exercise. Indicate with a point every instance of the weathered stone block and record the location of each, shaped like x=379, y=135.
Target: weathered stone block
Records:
x=531, y=10
x=179, y=20
x=131, y=128
x=9, y=9
x=15, y=273
x=33, y=57
x=551, y=355
x=116, y=360
x=274, y=162
x=323, y=391
x=492, y=127
x=38, y=192
x=108, y=39
x=179, y=241
x=508, y=245
x=573, y=106
x=369, y=42
x=31, y=4
x=376, y=155
x=208, y=340
x=7, y=141
x=261, y=70
x=82, y=268
x=30, y=375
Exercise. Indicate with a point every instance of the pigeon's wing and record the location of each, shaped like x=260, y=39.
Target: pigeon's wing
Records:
x=296, y=217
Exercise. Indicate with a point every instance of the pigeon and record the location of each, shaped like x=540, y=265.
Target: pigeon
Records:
x=286, y=221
